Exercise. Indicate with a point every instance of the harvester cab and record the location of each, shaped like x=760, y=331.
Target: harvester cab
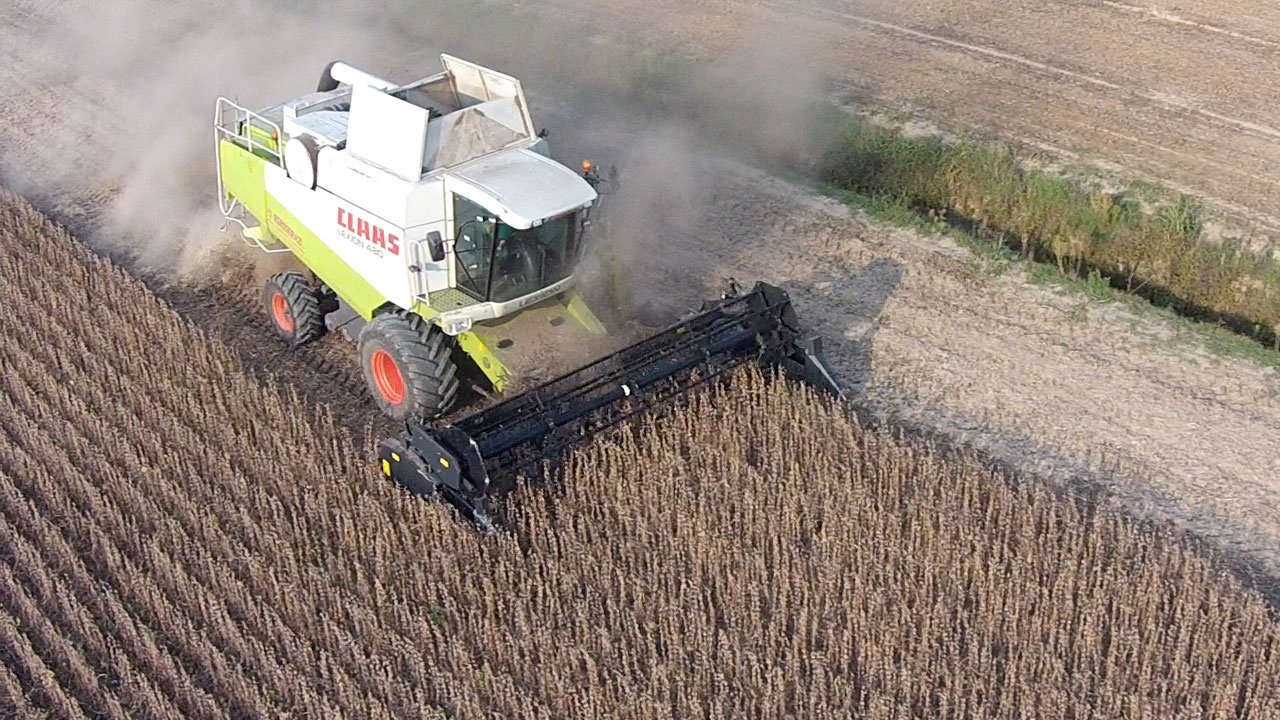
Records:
x=426, y=214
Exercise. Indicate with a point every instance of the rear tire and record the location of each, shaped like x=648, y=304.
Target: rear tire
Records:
x=407, y=366
x=294, y=308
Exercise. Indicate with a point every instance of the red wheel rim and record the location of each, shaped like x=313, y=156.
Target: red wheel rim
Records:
x=387, y=377
x=280, y=310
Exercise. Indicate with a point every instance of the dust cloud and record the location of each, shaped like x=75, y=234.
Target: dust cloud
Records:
x=763, y=93
x=665, y=128
x=754, y=102
x=129, y=154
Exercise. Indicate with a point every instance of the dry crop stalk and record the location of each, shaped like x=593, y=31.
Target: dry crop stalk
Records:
x=755, y=553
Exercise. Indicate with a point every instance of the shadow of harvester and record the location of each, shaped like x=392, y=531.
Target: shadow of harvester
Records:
x=846, y=309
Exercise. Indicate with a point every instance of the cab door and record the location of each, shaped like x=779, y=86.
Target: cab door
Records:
x=426, y=273
x=473, y=244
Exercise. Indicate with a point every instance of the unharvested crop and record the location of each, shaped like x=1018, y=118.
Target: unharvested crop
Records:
x=182, y=540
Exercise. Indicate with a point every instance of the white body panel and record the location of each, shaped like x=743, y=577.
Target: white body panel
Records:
x=522, y=187
x=368, y=187
x=326, y=126
x=344, y=73
x=425, y=205
x=387, y=131
x=377, y=248
x=431, y=276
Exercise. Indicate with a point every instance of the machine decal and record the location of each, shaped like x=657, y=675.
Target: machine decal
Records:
x=371, y=236
x=278, y=223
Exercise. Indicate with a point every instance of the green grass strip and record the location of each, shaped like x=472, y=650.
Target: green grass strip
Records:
x=992, y=191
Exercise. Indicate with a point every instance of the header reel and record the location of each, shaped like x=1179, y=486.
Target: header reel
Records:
x=484, y=454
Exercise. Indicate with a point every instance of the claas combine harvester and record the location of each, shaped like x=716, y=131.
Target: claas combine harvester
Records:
x=433, y=226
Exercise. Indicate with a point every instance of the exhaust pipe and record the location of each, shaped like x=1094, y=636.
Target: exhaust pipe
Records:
x=338, y=72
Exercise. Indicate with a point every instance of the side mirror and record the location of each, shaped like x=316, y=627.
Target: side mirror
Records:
x=435, y=243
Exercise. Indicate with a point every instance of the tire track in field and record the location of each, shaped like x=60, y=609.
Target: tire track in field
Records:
x=1130, y=156
x=1172, y=18
x=1021, y=78
x=1014, y=59
x=1157, y=141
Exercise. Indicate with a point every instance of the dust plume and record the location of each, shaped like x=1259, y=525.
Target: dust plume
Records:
x=669, y=136
x=763, y=93
x=109, y=115
x=120, y=138
x=648, y=220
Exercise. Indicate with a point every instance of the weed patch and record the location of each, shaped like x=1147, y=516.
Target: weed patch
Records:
x=1105, y=238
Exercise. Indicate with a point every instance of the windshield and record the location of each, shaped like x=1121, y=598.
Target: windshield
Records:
x=498, y=263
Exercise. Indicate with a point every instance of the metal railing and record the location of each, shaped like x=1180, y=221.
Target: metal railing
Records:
x=236, y=123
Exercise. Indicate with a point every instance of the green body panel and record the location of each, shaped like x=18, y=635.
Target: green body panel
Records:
x=244, y=177
x=519, y=340
x=478, y=350
x=263, y=137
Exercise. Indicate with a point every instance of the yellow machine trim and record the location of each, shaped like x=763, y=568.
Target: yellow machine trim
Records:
x=578, y=310
x=486, y=360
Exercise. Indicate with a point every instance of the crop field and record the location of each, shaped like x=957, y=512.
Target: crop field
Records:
x=1059, y=378
x=182, y=539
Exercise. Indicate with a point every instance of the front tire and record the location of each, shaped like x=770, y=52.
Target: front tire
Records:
x=294, y=308
x=407, y=366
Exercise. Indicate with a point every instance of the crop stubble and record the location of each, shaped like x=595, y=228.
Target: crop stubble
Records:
x=181, y=540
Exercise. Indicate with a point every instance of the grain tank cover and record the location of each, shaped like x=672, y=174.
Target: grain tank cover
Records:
x=488, y=113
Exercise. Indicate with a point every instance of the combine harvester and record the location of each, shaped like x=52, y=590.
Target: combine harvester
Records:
x=434, y=227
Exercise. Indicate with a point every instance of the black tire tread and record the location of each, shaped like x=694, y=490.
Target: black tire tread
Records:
x=427, y=367
x=304, y=305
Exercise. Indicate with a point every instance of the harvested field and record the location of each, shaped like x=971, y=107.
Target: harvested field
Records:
x=1175, y=92
x=181, y=540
